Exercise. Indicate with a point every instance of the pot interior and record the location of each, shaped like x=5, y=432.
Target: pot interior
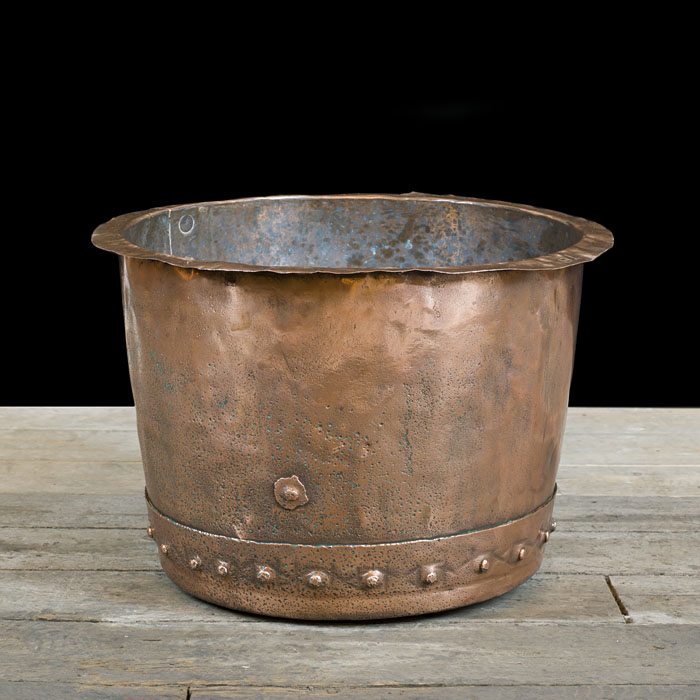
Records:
x=352, y=232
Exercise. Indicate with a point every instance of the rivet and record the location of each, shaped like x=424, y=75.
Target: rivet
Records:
x=553, y=525
x=265, y=573
x=222, y=568
x=521, y=553
x=484, y=565
x=164, y=549
x=430, y=574
x=289, y=493
x=372, y=578
x=195, y=562
x=316, y=578
x=545, y=535
x=149, y=531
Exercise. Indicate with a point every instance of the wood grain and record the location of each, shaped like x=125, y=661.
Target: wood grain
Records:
x=322, y=654
x=81, y=587
x=126, y=597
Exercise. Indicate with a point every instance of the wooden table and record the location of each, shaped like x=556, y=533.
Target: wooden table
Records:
x=86, y=612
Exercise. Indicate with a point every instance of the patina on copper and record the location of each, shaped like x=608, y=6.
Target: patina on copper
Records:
x=351, y=406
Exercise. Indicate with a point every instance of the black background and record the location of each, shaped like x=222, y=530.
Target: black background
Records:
x=89, y=154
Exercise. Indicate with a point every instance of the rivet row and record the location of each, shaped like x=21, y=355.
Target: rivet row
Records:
x=371, y=579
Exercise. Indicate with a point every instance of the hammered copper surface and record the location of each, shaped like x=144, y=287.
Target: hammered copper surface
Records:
x=333, y=582
x=378, y=441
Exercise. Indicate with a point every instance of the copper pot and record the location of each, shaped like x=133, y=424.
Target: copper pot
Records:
x=351, y=406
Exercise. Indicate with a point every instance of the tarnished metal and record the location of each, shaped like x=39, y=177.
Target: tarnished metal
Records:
x=290, y=492
x=373, y=578
x=320, y=581
x=430, y=573
x=405, y=381
x=265, y=573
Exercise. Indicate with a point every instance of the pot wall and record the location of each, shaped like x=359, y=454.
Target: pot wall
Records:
x=409, y=405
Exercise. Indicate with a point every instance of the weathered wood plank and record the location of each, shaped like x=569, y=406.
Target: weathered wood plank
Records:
x=127, y=597
x=632, y=420
x=579, y=419
x=605, y=553
x=319, y=654
x=582, y=445
x=51, y=690
x=575, y=513
x=68, y=417
x=70, y=691
x=462, y=692
x=59, y=510
x=87, y=477
x=660, y=599
x=636, y=480
x=680, y=448
x=610, y=553
x=558, y=635
x=71, y=477
x=76, y=549
x=627, y=513
x=69, y=445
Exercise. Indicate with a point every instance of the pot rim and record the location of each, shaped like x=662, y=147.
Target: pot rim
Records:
x=595, y=239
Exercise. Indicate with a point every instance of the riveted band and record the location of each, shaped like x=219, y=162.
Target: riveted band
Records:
x=316, y=581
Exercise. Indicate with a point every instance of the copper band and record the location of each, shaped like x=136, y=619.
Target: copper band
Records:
x=353, y=581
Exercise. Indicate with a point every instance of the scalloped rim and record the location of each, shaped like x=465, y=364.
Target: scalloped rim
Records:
x=595, y=239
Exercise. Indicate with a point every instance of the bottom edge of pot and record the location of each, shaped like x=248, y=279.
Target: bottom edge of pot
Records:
x=352, y=582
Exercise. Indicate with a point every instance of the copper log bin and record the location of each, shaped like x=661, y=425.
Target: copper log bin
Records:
x=351, y=406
